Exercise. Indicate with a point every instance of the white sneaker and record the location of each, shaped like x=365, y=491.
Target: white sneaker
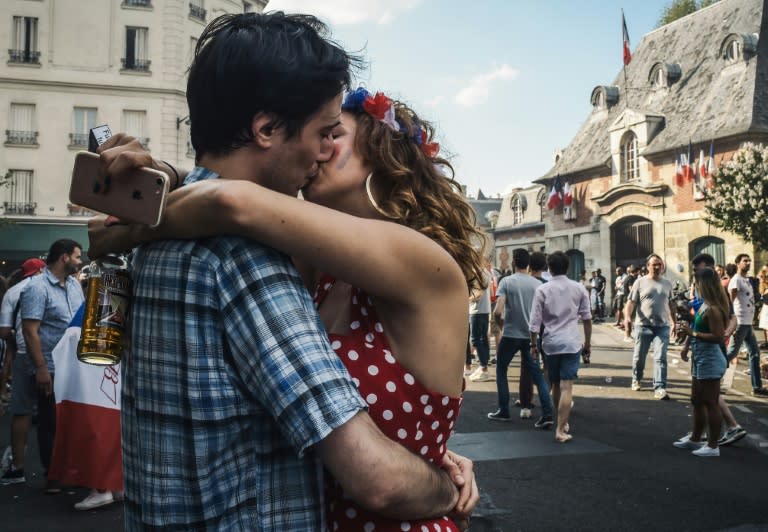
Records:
x=467, y=372
x=661, y=393
x=95, y=500
x=525, y=413
x=706, y=451
x=635, y=386
x=480, y=376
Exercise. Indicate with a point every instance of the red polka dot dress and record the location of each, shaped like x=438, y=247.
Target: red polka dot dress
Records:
x=401, y=406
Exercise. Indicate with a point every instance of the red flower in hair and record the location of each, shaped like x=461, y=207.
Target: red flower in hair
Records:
x=430, y=149
x=377, y=106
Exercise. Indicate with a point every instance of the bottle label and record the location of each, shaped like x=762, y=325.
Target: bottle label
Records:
x=114, y=298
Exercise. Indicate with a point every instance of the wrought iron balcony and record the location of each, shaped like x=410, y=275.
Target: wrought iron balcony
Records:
x=196, y=11
x=24, y=56
x=26, y=138
x=13, y=207
x=137, y=3
x=136, y=65
x=78, y=139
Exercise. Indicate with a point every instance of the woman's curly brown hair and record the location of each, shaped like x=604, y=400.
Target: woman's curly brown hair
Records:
x=412, y=190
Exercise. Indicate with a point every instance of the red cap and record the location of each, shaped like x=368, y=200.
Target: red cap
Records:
x=31, y=267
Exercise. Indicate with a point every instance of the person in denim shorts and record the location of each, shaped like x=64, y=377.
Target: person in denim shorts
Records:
x=559, y=305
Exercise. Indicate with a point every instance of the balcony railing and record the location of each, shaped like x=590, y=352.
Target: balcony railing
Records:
x=78, y=139
x=24, y=56
x=196, y=11
x=26, y=138
x=137, y=3
x=136, y=65
x=13, y=207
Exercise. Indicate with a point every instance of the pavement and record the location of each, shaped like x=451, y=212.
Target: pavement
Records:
x=619, y=473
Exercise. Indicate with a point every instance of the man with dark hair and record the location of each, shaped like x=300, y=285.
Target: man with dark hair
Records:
x=600, y=284
x=48, y=304
x=233, y=398
x=651, y=296
x=618, y=297
x=559, y=305
x=514, y=298
x=742, y=295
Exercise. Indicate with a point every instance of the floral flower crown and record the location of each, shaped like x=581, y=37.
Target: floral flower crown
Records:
x=382, y=108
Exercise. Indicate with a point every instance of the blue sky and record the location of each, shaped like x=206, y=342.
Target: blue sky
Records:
x=507, y=82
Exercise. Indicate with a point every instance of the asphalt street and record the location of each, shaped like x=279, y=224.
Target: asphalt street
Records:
x=620, y=472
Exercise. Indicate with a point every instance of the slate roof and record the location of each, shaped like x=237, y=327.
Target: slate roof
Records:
x=712, y=98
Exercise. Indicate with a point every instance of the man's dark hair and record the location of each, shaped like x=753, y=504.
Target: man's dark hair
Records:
x=521, y=258
x=731, y=269
x=538, y=261
x=740, y=256
x=705, y=258
x=558, y=263
x=61, y=247
x=249, y=63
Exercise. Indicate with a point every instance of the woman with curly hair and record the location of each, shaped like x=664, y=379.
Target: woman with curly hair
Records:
x=390, y=249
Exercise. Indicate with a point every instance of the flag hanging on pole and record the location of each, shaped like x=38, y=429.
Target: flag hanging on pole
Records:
x=679, y=169
x=567, y=194
x=625, y=38
x=86, y=450
x=702, y=165
x=688, y=164
x=556, y=194
x=711, y=165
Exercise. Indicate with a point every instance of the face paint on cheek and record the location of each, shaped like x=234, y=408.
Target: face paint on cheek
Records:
x=343, y=157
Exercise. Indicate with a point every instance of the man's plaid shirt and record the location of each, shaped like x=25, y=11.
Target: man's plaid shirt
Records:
x=229, y=380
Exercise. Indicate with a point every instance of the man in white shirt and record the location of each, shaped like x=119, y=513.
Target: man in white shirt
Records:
x=743, y=297
x=559, y=305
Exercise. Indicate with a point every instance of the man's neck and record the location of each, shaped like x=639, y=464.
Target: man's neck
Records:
x=239, y=164
x=59, y=272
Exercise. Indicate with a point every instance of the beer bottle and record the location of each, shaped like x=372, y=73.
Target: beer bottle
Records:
x=107, y=301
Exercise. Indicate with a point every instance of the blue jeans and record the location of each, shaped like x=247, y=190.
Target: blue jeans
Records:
x=645, y=335
x=745, y=334
x=504, y=355
x=478, y=331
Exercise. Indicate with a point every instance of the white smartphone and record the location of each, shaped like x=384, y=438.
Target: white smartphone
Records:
x=142, y=199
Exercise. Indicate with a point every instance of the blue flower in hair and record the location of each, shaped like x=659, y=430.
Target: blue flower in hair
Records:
x=353, y=101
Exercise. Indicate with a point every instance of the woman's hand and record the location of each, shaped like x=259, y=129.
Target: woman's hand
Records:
x=461, y=471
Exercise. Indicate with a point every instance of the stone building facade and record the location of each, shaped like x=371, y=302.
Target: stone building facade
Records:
x=72, y=65
x=700, y=81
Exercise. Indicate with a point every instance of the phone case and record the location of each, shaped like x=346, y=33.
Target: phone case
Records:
x=138, y=199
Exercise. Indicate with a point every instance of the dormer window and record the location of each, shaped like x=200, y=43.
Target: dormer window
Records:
x=517, y=204
x=738, y=46
x=663, y=75
x=630, y=169
x=604, y=96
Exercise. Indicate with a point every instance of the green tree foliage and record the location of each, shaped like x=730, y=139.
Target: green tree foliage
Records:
x=680, y=8
x=738, y=200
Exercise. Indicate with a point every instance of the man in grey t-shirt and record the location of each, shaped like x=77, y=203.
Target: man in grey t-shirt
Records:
x=651, y=296
x=514, y=297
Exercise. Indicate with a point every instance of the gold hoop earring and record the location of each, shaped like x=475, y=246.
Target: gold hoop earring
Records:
x=373, y=201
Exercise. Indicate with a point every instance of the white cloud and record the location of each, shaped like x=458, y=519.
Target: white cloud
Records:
x=346, y=11
x=476, y=93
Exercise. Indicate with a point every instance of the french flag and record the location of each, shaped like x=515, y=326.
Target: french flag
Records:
x=556, y=194
x=86, y=451
x=567, y=194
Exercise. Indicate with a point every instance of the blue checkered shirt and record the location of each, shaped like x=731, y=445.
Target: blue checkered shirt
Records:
x=229, y=381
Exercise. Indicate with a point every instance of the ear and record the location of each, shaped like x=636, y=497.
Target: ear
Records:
x=264, y=134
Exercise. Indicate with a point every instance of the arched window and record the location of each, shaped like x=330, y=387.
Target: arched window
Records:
x=517, y=210
x=541, y=201
x=630, y=169
x=711, y=245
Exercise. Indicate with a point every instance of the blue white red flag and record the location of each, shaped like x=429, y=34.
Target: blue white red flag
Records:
x=87, y=450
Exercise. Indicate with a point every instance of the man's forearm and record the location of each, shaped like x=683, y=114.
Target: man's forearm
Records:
x=587, y=331
x=34, y=349
x=382, y=475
